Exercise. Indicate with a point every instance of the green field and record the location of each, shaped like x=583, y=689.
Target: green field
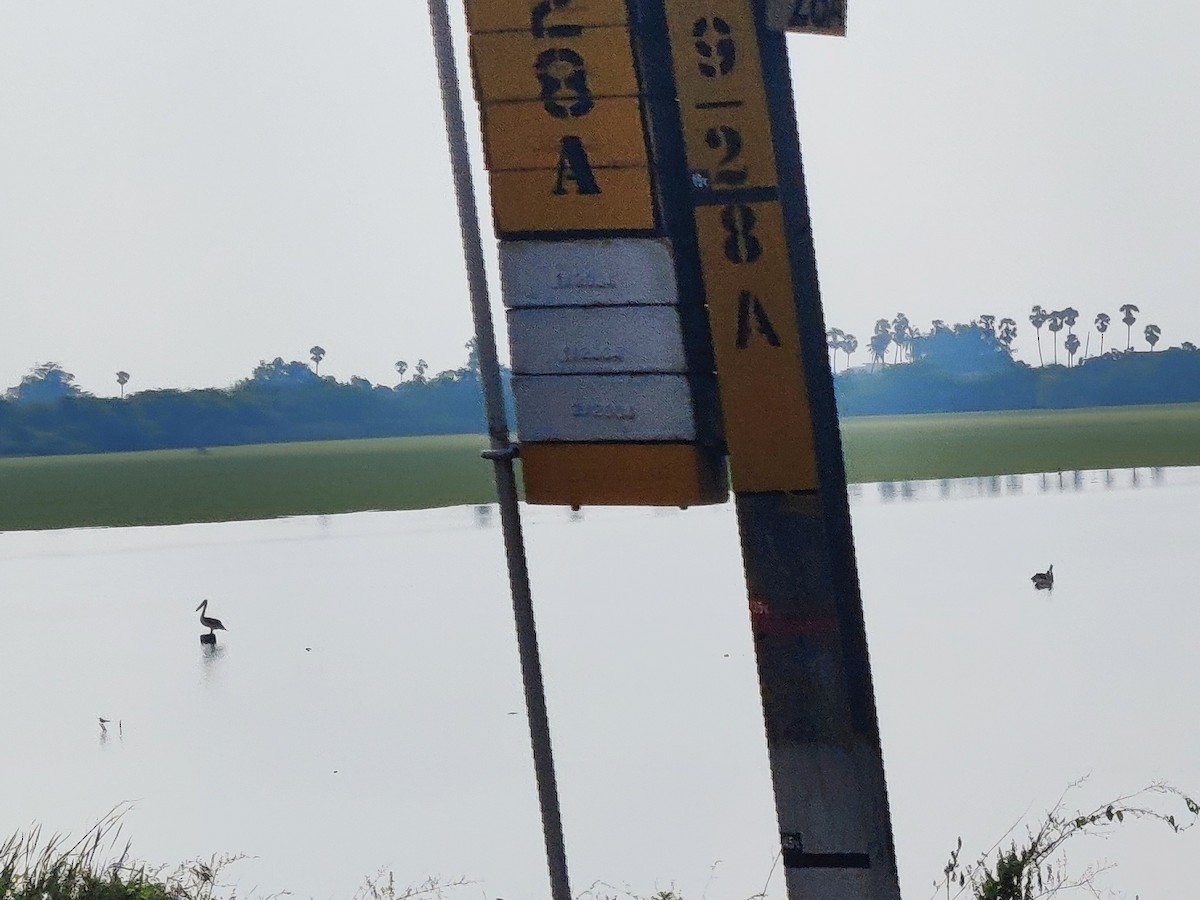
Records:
x=266, y=481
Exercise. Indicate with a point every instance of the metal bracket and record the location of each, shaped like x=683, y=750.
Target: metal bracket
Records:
x=500, y=454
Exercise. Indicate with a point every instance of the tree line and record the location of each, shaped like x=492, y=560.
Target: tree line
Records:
x=49, y=413
x=970, y=367
x=898, y=334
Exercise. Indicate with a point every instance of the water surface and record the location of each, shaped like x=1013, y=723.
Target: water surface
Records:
x=364, y=710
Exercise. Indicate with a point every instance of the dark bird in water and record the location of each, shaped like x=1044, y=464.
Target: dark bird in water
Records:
x=209, y=622
x=1044, y=581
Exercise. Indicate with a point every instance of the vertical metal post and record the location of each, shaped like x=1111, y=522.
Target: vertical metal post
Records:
x=501, y=452
x=805, y=603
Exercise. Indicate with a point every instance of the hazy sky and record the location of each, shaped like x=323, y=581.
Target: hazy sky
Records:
x=187, y=187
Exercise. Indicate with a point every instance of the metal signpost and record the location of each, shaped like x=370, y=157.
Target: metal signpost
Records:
x=658, y=270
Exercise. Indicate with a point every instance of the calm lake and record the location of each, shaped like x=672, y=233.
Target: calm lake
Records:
x=364, y=710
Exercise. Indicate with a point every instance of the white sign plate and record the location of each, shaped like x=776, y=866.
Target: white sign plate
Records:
x=614, y=272
x=595, y=339
x=604, y=408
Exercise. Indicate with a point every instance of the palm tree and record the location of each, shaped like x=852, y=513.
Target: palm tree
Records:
x=989, y=323
x=1054, y=321
x=1129, y=318
x=1070, y=316
x=1152, y=332
x=849, y=345
x=122, y=380
x=901, y=333
x=1038, y=318
x=1102, y=320
x=1072, y=345
x=317, y=353
x=422, y=368
x=880, y=341
x=833, y=340
x=401, y=368
x=1008, y=331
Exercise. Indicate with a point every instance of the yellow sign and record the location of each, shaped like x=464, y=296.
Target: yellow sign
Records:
x=543, y=18
x=752, y=318
x=566, y=74
x=743, y=245
x=523, y=136
x=729, y=148
x=622, y=474
x=715, y=52
x=572, y=199
x=727, y=129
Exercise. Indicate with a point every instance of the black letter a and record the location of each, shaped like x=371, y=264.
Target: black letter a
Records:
x=573, y=166
x=745, y=301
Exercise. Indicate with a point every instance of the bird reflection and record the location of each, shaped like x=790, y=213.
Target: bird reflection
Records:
x=210, y=655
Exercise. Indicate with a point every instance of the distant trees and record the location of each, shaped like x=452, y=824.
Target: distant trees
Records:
x=1054, y=322
x=902, y=334
x=47, y=413
x=1152, y=333
x=880, y=341
x=421, y=369
x=122, y=380
x=1129, y=318
x=1037, y=319
x=1072, y=346
x=316, y=354
x=835, y=340
x=849, y=345
x=1008, y=332
x=45, y=383
x=401, y=367
x=1102, y=320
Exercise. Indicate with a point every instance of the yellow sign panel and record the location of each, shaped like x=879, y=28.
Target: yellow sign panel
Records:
x=566, y=74
x=729, y=148
x=543, y=18
x=622, y=474
x=752, y=317
x=715, y=51
x=523, y=136
x=566, y=199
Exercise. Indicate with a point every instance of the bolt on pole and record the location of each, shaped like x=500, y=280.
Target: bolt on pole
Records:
x=501, y=452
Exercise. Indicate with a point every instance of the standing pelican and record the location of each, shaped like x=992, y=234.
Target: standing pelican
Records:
x=213, y=625
x=1044, y=581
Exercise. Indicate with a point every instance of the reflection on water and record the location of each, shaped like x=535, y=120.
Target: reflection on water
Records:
x=1007, y=485
x=210, y=658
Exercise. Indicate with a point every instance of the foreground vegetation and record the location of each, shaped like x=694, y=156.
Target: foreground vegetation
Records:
x=271, y=480
x=97, y=867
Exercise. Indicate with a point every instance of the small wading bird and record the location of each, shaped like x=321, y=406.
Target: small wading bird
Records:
x=213, y=625
x=1044, y=581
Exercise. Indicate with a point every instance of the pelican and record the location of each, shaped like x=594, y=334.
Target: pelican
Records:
x=1044, y=581
x=213, y=625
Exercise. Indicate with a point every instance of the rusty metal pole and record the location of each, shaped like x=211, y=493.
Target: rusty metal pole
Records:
x=501, y=452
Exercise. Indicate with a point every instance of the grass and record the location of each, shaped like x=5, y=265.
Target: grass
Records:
x=271, y=480
x=250, y=482
x=97, y=867
x=902, y=448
